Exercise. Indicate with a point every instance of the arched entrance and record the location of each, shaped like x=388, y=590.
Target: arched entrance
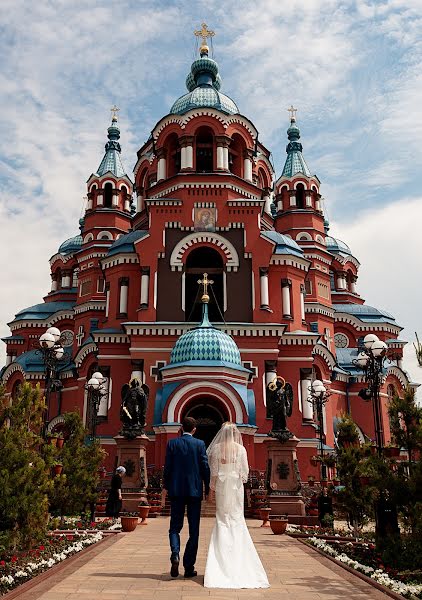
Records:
x=200, y=261
x=209, y=416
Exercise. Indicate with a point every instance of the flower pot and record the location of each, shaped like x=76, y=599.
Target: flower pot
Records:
x=324, y=483
x=265, y=513
x=57, y=469
x=52, y=441
x=311, y=482
x=59, y=442
x=129, y=523
x=143, y=514
x=278, y=525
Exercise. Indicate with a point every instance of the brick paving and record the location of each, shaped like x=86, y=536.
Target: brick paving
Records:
x=135, y=566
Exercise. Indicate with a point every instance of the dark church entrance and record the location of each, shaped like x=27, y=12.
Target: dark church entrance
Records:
x=208, y=417
x=200, y=261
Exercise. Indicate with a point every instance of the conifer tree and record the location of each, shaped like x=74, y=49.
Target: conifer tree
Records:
x=406, y=423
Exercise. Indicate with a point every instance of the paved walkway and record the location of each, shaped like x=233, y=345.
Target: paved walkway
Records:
x=135, y=566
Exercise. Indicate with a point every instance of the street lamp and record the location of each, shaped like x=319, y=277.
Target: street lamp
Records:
x=371, y=361
x=96, y=390
x=48, y=344
x=318, y=397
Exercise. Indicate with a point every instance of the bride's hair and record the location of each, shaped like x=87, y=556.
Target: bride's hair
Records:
x=226, y=443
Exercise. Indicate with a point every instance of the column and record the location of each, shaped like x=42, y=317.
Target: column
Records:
x=353, y=284
x=247, y=165
x=309, y=200
x=305, y=384
x=75, y=275
x=124, y=286
x=226, y=158
x=65, y=279
x=139, y=199
x=318, y=204
x=137, y=370
x=223, y=143
x=270, y=375
x=89, y=201
x=162, y=164
x=107, y=309
x=100, y=199
x=279, y=201
x=186, y=152
x=267, y=200
x=8, y=359
x=286, y=285
x=115, y=201
x=302, y=302
x=263, y=274
x=53, y=282
x=293, y=198
x=144, y=287
x=341, y=281
x=220, y=158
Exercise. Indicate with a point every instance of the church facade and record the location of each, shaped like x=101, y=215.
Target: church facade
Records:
x=283, y=294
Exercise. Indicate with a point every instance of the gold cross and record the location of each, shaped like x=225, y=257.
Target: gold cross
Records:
x=292, y=112
x=204, y=33
x=205, y=282
x=114, y=111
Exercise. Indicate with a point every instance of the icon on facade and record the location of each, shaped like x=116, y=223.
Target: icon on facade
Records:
x=204, y=219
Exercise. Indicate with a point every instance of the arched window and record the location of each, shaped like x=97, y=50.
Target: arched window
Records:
x=108, y=195
x=16, y=389
x=300, y=196
x=200, y=261
x=236, y=151
x=173, y=155
x=123, y=189
x=204, y=150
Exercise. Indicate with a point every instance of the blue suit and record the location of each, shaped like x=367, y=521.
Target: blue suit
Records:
x=186, y=473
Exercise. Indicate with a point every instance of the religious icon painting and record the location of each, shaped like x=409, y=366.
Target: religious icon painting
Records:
x=204, y=219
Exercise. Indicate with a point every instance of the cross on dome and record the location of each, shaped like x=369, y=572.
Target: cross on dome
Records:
x=204, y=33
x=114, y=110
x=292, y=112
x=205, y=282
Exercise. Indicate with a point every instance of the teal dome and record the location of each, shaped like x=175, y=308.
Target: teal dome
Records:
x=71, y=245
x=337, y=246
x=203, y=84
x=206, y=344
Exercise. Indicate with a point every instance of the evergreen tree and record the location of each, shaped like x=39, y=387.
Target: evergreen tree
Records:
x=406, y=423
x=76, y=488
x=24, y=473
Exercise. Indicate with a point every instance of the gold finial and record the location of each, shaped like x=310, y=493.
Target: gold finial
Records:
x=204, y=33
x=205, y=282
x=292, y=112
x=114, y=111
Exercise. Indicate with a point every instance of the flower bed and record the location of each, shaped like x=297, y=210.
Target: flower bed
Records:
x=17, y=568
x=77, y=524
x=363, y=558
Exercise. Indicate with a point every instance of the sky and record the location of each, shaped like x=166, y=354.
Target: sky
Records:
x=352, y=68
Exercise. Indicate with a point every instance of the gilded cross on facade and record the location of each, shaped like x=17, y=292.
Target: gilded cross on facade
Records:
x=292, y=112
x=204, y=33
x=205, y=282
x=114, y=111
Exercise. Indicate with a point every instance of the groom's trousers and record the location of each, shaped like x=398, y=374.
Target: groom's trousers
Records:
x=178, y=505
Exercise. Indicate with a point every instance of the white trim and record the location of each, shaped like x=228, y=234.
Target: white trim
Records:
x=194, y=387
x=198, y=237
x=109, y=236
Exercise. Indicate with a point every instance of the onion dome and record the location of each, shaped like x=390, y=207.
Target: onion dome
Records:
x=203, y=84
x=337, y=246
x=295, y=163
x=71, y=245
x=206, y=344
x=112, y=162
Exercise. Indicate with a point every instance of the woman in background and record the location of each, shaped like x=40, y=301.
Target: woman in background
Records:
x=114, y=500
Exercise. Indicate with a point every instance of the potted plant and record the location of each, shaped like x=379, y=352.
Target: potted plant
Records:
x=60, y=441
x=324, y=483
x=52, y=439
x=265, y=513
x=144, y=508
x=57, y=468
x=278, y=524
x=311, y=480
x=129, y=521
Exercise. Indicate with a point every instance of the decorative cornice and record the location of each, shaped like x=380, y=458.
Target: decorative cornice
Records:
x=298, y=263
x=10, y=369
x=368, y=326
x=177, y=329
x=176, y=258
x=107, y=337
x=120, y=259
x=302, y=339
x=184, y=185
x=90, y=305
x=320, y=309
x=84, y=352
x=322, y=350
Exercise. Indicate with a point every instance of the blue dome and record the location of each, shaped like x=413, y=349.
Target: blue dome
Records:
x=71, y=245
x=334, y=245
x=206, y=344
x=203, y=83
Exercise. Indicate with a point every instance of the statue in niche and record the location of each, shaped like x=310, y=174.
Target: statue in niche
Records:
x=134, y=408
x=280, y=406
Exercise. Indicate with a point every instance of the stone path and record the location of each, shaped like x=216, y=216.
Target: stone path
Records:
x=135, y=566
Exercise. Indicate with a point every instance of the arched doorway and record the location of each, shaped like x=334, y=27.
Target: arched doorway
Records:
x=200, y=261
x=209, y=417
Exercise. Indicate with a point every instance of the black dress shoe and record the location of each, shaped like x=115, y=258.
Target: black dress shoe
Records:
x=174, y=571
x=190, y=572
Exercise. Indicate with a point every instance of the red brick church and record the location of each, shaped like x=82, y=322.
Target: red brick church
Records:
x=204, y=198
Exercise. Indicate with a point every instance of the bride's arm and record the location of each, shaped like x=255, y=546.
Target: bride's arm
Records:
x=244, y=467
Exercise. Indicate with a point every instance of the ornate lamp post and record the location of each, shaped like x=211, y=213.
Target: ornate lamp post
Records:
x=318, y=397
x=96, y=389
x=52, y=353
x=371, y=360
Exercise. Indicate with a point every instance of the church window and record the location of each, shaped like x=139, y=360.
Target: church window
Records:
x=101, y=285
x=323, y=290
x=236, y=151
x=124, y=191
x=200, y=261
x=308, y=287
x=108, y=195
x=173, y=155
x=341, y=340
x=300, y=196
x=204, y=150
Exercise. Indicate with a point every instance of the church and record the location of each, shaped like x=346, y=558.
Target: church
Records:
x=206, y=275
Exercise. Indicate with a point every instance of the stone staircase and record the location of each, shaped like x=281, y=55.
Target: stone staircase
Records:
x=207, y=509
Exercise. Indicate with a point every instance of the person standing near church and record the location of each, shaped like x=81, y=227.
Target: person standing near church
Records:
x=186, y=474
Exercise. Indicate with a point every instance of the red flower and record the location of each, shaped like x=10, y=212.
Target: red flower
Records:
x=2, y=563
x=93, y=523
x=70, y=538
x=14, y=559
x=42, y=548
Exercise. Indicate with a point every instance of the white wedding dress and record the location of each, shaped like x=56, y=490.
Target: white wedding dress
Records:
x=232, y=559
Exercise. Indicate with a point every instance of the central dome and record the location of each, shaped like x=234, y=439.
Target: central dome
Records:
x=205, y=343
x=203, y=83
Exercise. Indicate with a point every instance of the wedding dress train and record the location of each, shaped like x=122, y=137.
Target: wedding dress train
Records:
x=233, y=561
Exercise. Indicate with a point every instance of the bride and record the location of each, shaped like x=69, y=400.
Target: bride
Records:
x=232, y=559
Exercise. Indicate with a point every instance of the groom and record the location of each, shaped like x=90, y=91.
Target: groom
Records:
x=186, y=470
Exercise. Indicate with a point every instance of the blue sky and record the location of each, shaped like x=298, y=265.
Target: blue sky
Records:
x=352, y=68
